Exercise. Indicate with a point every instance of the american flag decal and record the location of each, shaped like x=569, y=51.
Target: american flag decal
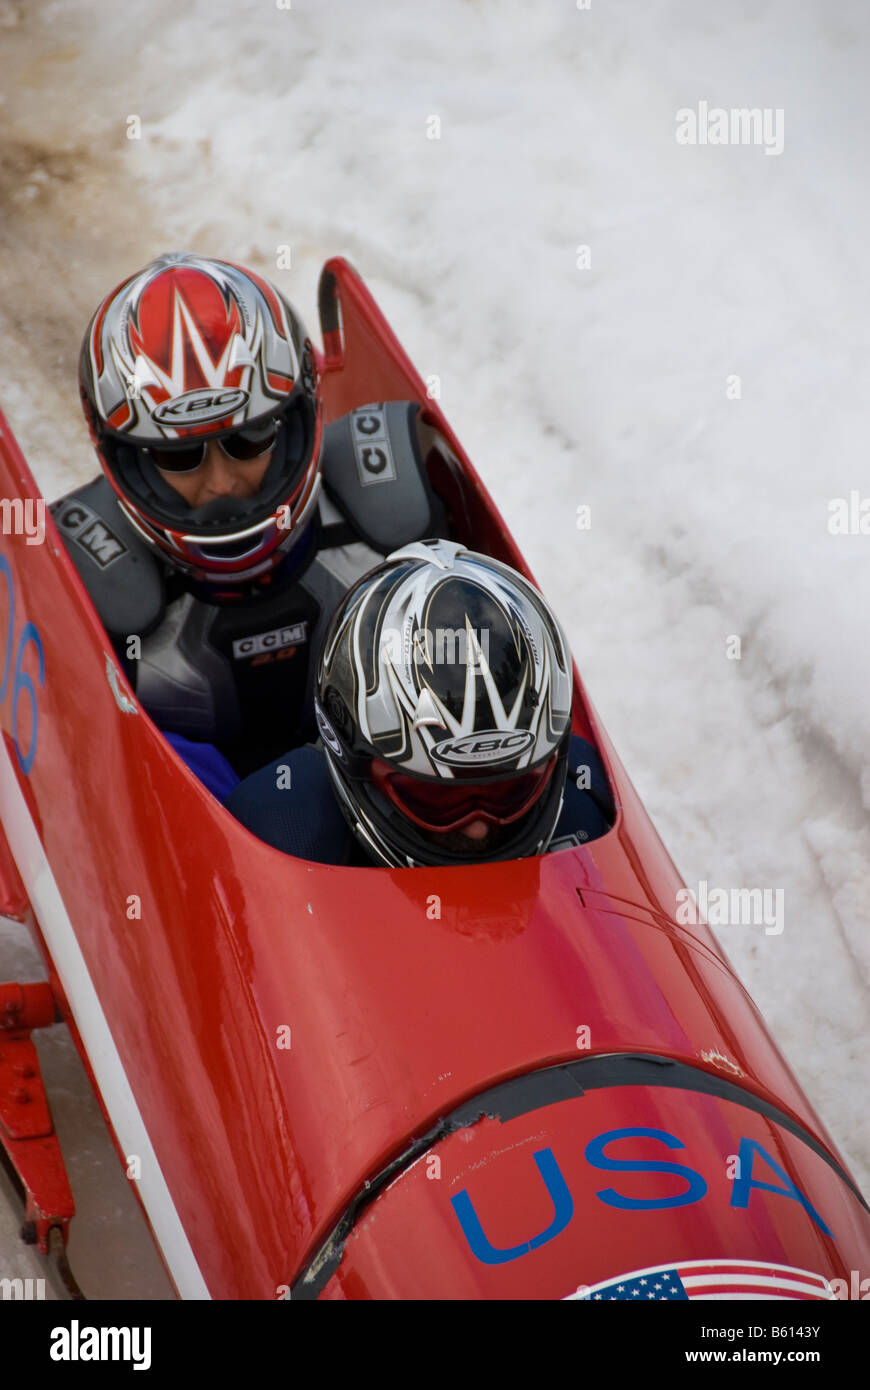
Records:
x=709, y=1279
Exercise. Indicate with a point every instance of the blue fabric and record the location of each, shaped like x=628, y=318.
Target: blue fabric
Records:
x=207, y=763
x=585, y=813
x=295, y=810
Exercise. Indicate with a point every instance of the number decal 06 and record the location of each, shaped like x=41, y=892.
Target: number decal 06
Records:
x=22, y=681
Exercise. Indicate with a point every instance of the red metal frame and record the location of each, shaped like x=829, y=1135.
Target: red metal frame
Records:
x=26, y=1129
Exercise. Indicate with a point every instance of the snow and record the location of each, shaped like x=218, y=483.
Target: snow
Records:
x=307, y=127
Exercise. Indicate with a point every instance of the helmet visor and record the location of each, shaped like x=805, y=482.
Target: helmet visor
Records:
x=442, y=805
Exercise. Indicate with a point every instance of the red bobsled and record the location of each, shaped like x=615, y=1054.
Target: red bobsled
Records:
x=505, y=1081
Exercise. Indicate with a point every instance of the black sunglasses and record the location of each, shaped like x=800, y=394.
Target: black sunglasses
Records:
x=242, y=446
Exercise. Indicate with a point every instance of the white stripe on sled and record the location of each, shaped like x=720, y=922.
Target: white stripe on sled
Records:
x=69, y=962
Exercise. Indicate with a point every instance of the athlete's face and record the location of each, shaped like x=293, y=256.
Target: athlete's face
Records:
x=475, y=830
x=219, y=476
x=473, y=838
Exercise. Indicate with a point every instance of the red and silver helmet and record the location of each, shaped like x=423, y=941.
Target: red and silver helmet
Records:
x=186, y=351
x=444, y=705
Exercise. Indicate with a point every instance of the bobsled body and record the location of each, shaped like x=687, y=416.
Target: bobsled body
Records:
x=509, y=1080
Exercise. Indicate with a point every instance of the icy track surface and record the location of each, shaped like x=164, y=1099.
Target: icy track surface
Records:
x=604, y=386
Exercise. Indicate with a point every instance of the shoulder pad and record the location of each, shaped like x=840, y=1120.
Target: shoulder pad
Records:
x=119, y=570
x=373, y=470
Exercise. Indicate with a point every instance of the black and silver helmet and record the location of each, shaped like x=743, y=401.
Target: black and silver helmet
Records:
x=444, y=704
